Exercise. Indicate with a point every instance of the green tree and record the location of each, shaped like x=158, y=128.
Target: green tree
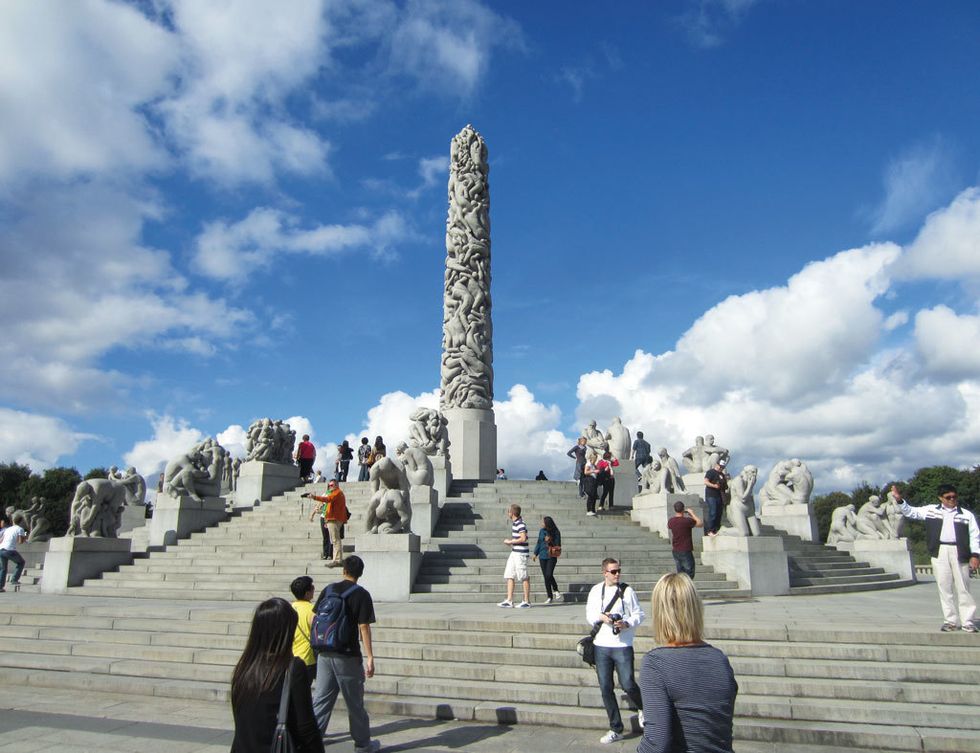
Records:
x=861, y=493
x=57, y=486
x=823, y=508
x=96, y=473
x=923, y=487
x=12, y=477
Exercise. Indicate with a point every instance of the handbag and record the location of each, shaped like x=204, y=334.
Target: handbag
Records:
x=554, y=550
x=282, y=741
x=586, y=646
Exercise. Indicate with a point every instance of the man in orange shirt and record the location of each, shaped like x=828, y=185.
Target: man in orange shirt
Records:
x=334, y=511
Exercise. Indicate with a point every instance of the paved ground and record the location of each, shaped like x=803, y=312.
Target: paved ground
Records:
x=50, y=720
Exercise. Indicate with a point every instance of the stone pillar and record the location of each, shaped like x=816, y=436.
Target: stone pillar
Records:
x=259, y=481
x=654, y=510
x=624, y=475
x=391, y=563
x=758, y=563
x=891, y=555
x=466, y=387
x=797, y=520
x=71, y=560
x=442, y=474
x=425, y=510
x=177, y=518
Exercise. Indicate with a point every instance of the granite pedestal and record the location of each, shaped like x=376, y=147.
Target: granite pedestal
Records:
x=425, y=510
x=442, y=474
x=70, y=560
x=694, y=483
x=758, y=563
x=796, y=520
x=177, y=518
x=259, y=482
x=891, y=555
x=654, y=510
x=472, y=443
x=391, y=562
x=624, y=475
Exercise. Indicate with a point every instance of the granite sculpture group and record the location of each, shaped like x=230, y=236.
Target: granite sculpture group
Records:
x=874, y=521
x=270, y=441
x=97, y=507
x=206, y=470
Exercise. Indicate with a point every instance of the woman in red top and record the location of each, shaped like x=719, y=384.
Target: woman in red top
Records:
x=604, y=476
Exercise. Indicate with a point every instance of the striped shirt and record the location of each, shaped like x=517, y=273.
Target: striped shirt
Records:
x=516, y=529
x=688, y=700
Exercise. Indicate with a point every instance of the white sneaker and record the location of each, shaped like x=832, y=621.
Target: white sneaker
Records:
x=548, y=600
x=639, y=715
x=610, y=737
x=524, y=605
x=590, y=514
x=506, y=604
x=371, y=747
x=559, y=596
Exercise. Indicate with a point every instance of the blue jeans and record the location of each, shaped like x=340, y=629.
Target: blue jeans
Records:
x=684, y=561
x=622, y=660
x=10, y=554
x=713, y=519
x=364, y=474
x=335, y=674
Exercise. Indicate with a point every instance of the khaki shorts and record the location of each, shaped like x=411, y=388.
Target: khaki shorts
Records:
x=516, y=567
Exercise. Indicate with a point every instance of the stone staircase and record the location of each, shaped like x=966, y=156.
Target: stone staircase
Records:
x=465, y=560
x=798, y=686
x=816, y=568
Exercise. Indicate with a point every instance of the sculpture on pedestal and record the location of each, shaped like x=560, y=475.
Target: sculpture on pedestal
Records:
x=619, y=439
x=197, y=473
x=390, y=509
x=672, y=478
x=416, y=464
x=270, y=442
x=652, y=478
x=741, y=510
x=595, y=440
x=790, y=483
x=35, y=519
x=872, y=521
x=843, y=525
x=467, y=340
x=702, y=456
x=894, y=518
x=428, y=432
x=96, y=509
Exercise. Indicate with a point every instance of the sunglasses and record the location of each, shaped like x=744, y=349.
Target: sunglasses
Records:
x=614, y=572
x=949, y=496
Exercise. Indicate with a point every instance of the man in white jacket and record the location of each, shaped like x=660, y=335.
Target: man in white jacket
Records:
x=614, y=606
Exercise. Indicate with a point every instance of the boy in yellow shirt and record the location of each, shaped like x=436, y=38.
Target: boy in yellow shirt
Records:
x=303, y=590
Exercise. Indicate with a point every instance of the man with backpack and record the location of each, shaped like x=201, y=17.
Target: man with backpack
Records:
x=341, y=623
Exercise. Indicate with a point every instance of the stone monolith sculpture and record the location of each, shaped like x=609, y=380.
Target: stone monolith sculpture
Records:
x=466, y=388
x=619, y=439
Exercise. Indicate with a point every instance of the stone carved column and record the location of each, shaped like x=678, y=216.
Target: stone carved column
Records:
x=466, y=389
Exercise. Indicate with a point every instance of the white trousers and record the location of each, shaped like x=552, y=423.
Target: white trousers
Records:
x=953, y=581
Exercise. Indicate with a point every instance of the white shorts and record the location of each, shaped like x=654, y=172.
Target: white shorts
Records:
x=516, y=567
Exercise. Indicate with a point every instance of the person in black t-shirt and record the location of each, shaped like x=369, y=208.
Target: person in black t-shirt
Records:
x=715, y=486
x=345, y=671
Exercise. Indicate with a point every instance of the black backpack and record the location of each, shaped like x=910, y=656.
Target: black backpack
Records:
x=333, y=627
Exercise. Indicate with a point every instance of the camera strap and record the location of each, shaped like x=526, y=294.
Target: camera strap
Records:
x=617, y=595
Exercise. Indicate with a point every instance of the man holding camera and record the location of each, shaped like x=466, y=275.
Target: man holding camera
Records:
x=333, y=514
x=614, y=606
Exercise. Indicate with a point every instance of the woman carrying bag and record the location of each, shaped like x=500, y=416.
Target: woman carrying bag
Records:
x=269, y=679
x=547, y=551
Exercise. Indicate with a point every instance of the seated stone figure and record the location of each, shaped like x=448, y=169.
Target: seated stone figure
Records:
x=694, y=457
x=651, y=479
x=390, y=508
x=196, y=473
x=618, y=437
x=416, y=463
x=594, y=439
x=871, y=521
x=843, y=523
x=673, y=481
x=741, y=510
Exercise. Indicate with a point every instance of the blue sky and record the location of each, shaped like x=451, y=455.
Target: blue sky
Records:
x=754, y=219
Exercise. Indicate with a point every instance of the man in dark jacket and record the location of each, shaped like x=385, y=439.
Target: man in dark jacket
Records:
x=953, y=540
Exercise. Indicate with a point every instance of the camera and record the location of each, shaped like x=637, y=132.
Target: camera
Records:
x=615, y=618
x=307, y=495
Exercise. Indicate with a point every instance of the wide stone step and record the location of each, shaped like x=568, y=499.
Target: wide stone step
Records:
x=852, y=588
x=875, y=577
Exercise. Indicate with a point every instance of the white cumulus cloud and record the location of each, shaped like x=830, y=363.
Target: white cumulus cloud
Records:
x=36, y=440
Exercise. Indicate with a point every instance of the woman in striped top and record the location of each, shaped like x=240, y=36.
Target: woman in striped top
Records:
x=688, y=686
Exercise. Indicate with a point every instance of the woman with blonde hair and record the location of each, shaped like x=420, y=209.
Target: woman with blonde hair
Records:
x=688, y=686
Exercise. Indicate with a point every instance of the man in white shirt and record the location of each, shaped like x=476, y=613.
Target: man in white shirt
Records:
x=10, y=536
x=614, y=606
x=953, y=540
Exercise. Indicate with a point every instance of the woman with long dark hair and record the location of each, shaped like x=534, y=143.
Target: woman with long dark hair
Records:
x=548, y=537
x=344, y=455
x=257, y=684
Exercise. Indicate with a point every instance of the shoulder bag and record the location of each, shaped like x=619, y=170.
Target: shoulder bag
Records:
x=586, y=646
x=554, y=550
x=282, y=741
